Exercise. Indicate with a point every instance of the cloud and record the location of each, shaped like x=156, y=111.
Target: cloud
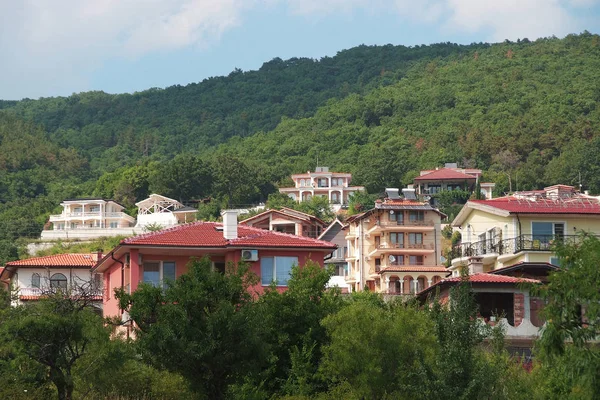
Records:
x=50, y=45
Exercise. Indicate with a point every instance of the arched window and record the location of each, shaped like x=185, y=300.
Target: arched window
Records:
x=35, y=280
x=58, y=281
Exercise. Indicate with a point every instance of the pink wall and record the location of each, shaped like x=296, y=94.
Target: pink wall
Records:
x=133, y=273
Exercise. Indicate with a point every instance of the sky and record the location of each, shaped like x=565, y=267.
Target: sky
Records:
x=60, y=47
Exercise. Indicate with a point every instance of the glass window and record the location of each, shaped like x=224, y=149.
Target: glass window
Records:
x=542, y=231
x=35, y=280
x=152, y=273
x=397, y=239
x=276, y=269
x=393, y=215
x=555, y=261
x=168, y=272
x=58, y=281
x=416, y=216
x=415, y=238
x=416, y=260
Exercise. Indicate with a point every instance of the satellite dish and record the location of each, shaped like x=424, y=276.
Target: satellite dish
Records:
x=442, y=259
x=392, y=212
x=392, y=259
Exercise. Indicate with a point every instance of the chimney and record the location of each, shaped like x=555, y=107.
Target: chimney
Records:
x=230, y=230
x=98, y=255
x=475, y=265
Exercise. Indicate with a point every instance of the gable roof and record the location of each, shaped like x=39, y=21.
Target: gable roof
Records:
x=58, y=260
x=444, y=174
x=286, y=212
x=334, y=223
x=210, y=234
x=479, y=278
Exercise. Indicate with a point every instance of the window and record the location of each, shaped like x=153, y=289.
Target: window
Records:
x=433, y=189
x=546, y=231
x=156, y=272
x=393, y=216
x=58, y=281
x=555, y=261
x=276, y=269
x=114, y=224
x=335, y=198
x=35, y=280
x=415, y=238
x=94, y=208
x=416, y=260
x=397, y=239
x=415, y=216
x=322, y=182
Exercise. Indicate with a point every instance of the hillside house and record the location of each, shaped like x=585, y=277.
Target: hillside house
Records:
x=335, y=186
x=395, y=248
x=289, y=221
x=34, y=277
x=158, y=257
x=162, y=211
x=451, y=177
x=336, y=233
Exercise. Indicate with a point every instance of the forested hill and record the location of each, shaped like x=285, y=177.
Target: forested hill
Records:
x=528, y=110
x=178, y=118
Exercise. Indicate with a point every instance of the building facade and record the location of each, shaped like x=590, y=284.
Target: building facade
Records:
x=335, y=186
x=162, y=211
x=522, y=227
x=289, y=221
x=158, y=257
x=336, y=233
x=89, y=218
x=451, y=177
x=34, y=277
x=395, y=248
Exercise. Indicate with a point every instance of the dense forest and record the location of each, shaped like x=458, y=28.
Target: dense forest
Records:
x=525, y=112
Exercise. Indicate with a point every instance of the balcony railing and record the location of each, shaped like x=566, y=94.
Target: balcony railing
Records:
x=406, y=222
x=511, y=246
x=409, y=246
x=87, y=214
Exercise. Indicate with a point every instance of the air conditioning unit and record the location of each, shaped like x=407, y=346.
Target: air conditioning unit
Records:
x=249, y=255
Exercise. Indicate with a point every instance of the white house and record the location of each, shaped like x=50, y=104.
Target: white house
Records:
x=89, y=218
x=33, y=277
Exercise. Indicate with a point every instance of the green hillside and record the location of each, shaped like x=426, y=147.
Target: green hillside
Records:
x=525, y=110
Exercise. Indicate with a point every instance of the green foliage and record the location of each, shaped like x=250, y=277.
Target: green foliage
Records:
x=360, y=202
x=202, y=326
x=278, y=200
x=447, y=232
x=401, y=347
x=317, y=206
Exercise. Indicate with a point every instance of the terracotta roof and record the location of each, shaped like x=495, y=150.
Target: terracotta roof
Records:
x=210, y=234
x=444, y=174
x=37, y=297
x=414, y=268
x=574, y=205
x=57, y=260
x=286, y=212
x=492, y=278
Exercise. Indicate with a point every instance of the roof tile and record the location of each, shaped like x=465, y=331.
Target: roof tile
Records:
x=444, y=173
x=58, y=260
x=575, y=205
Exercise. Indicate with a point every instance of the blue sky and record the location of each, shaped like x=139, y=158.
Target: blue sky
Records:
x=59, y=47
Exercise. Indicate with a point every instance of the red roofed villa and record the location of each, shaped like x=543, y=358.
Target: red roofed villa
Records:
x=451, y=177
x=33, y=276
x=160, y=256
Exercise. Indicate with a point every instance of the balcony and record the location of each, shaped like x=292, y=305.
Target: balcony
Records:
x=405, y=223
x=82, y=215
x=511, y=246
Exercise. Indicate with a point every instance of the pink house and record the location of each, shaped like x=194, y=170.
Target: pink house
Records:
x=157, y=257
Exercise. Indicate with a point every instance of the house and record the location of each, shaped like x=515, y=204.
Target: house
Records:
x=335, y=186
x=395, y=247
x=451, y=177
x=289, y=221
x=157, y=257
x=336, y=233
x=503, y=297
x=89, y=218
x=523, y=226
x=33, y=277
x=162, y=211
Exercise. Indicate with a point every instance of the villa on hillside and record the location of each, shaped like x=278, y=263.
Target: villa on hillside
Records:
x=287, y=220
x=451, y=177
x=158, y=257
x=335, y=186
x=34, y=277
x=93, y=218
x=395, y=248
x=522, y=227
x=336, y=233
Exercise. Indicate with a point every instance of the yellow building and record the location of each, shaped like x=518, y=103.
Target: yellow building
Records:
x=522, y=227
x=395, y=247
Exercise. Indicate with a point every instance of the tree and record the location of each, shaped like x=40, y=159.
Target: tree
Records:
x=184, y=178
x=317, y=206
x=201, y=326
x=360, y=202
x=56, y=332
x=506, y=161
x=381, y=351
x=235, y=180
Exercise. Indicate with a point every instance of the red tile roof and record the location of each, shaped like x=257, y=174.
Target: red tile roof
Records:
x=209, y=234
x=58, y=260
x=414, y=268
x=444, y=174
x=483, y=278
x=574, y=205
x=491, y=278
